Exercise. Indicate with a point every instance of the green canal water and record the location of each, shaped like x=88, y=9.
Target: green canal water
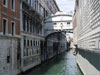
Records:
x=63, y=64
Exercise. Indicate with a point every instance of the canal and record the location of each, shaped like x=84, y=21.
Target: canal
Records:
x=63, y=64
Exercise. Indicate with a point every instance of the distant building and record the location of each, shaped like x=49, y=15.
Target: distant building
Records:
x=9, y=37
x=33, y=14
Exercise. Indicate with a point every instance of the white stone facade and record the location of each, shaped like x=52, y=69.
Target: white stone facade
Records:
x=31, y=51
x=88, y=24
x=60, y=21
x=8, y=55
x=44, y=7
x=75, y=28
x=33, y=14
x=88, y=36
x=56, y=27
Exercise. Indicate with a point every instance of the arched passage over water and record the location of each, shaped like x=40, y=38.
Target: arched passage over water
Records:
x=55, y=44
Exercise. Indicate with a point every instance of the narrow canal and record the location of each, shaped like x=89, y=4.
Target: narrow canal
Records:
x=63, y=64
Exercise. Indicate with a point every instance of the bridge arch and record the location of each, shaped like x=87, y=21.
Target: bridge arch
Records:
x=55, y=44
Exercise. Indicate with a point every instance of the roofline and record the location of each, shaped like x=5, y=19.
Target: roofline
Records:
x=58, y=21
x=63, y=15
x=58, y=15
x=56, y=5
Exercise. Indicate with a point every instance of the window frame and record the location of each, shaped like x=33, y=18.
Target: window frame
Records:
x=54, y=23
x=6, y=5
x=13, y=9
x=68, y=23
x=14, y=33
x=6, y=32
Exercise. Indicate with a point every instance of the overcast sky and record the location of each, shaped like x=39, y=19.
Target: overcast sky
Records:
x=66, y=5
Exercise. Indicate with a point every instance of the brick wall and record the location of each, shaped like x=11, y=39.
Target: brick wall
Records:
x=10, y=15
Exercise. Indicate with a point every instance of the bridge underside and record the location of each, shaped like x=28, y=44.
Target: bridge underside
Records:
x=55, y=44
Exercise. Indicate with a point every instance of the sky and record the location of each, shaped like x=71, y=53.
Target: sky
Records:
x=66, y=5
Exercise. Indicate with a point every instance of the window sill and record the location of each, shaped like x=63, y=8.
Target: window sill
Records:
x=10, y=36
x=5, y=6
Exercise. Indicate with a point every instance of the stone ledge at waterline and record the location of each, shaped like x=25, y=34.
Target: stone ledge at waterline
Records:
x=88, y=61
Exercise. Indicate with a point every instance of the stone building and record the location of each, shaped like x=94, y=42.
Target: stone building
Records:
x=56, y=27
x=9, y=37
x=74, y=22
x=60, y=21
x=33, y=14
x=87, y=18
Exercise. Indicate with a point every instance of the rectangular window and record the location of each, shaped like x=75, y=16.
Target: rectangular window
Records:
x=24, y=22
x=68, y=22
x=4, y=26
x=8, y=56
x=44, y=12
x=8, y=59
x=34, y=43
x=4, y=3
x=31, y=43
x=28, y=43
x=24, y=42
x=13, y=28
x=39, y=43
x=27, y=24
x=13, y=5
x=31, y=25
x=55, y=23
